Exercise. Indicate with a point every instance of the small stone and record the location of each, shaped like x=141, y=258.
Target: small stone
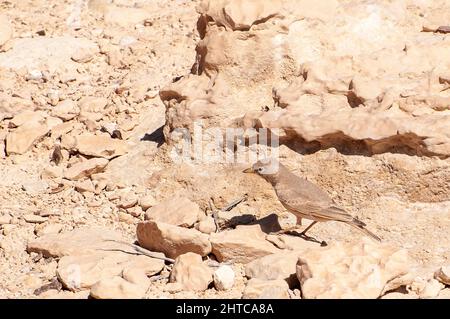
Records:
x=100, y=146
x=206, y=226
x=66, y=110
x=147, y=201
x=443, y=274
x=190, y=271
x=127, y=201
x=35, y=219
x=84, y=54
x=85, y=168
x=8, y=229
x=266, y=289
x=34, y=75
x=224, y=278
x=47, y=229
x=5, y=219
x=85, y=186
x=52, y=172
x=432, y=289
x=35, y=187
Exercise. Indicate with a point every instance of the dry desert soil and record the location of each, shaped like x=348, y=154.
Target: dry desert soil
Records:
x=95, y=202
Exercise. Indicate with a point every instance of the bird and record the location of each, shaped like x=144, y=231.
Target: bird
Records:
x=303, y=198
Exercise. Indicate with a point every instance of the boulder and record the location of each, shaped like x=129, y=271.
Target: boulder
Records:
x=172, y=240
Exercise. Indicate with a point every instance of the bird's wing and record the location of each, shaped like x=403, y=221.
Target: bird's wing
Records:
x=308, y=199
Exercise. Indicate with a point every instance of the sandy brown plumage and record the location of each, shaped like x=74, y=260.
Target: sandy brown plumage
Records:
x=303, y=198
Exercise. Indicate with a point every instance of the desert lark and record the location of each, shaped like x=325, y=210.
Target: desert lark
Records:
x=303, y=198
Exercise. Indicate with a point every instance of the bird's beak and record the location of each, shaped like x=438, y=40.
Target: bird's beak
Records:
x=248, y=170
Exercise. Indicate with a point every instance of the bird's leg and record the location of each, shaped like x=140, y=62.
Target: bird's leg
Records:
x=303, y=233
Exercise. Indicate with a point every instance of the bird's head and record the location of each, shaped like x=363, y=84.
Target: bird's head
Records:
x=264, y=167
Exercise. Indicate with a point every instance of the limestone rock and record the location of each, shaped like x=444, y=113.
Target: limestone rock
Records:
x=85, y=168
x=35, y=219
x=178, y=211
x=243, y=244
x=172, y=240
x=21, y=140
x=353, y=270
x=116, y=288
x=83, y=240
x=190, y=271
x=6, y=30
x=207, y=225
x=54, y=52
x=282, y=265
x=443, y=275
x=93, y=104
x=266, y=289
x=79, y=272
x=224, y=277
x=100, y=146
x=66, y=110
x=147, y=201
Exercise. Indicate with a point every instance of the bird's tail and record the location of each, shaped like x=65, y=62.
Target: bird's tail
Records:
x=362, y=228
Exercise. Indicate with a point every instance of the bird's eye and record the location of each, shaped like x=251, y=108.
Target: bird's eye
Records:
x=260, y=169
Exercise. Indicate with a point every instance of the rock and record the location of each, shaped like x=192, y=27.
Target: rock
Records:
x=147, y=201
x=224, y=277
x=172, y=240
x=127, y=201
x=282, y=265
x=85, y=168
x=34, y=187
x=78, y=241
x=432, y=289
x=266, y=289
x=35, y=219
x=190, y=271
x=206, y=226
x=6, y=30
x=353, y=270
x=66, y=110
x=82, y=271
x=117, y=288
x=34, y=75
x=52, y=172
x=93, y=104
x=53, y=52
x=399, y=295
x=175, y=211
x=443, y=274
x=21, y=140
x=5, y=219
x=100, y=146
x=47, y=229
x=444, y=294
x=27, y=117
x=242, y=245
x=85, y=54
x=8, y=229
x=85, y=186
